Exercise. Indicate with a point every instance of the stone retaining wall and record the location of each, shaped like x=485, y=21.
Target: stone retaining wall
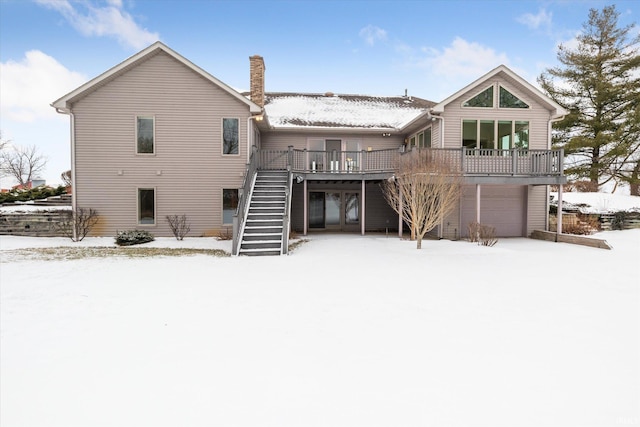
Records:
x=37, y=223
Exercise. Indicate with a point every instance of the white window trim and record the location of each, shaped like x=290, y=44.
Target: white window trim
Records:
x=155, y=207
x=222, y=136
x=135, y=125
x=495, y=129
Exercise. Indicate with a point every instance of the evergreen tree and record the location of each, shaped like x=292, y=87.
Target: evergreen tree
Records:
x=599, y=84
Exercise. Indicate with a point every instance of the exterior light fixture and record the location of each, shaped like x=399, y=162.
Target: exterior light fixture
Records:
x=386, y=135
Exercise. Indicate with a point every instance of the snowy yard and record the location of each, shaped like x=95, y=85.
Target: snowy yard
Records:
x=345, y=331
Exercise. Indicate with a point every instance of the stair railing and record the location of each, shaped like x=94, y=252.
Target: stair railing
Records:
x=287, y=212
x=240, y=216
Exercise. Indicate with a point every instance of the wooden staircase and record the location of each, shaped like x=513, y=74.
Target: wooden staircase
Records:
x=264, y=225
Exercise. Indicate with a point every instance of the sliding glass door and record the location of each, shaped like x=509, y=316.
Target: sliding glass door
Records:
x=334, y=210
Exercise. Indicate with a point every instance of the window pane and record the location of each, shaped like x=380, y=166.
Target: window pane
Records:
x=483, y=99
x=229, y=205
x=521, y=137
x=145, y=135
x=316, y=209
x=230, y=142
x=469, y=133
x=427, y=138
x=509, y=100
x=332, y=208
x=351, y=208
x=486, y=134
x=504, y=135
x=146, y=206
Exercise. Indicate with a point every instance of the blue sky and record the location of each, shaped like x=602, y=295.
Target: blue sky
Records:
x=430, y=48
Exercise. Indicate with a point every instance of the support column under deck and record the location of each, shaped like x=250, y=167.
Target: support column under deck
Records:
x=400, y=208
x=363, y=210
x=478, y=203
x=305, y=208
x=559, y=214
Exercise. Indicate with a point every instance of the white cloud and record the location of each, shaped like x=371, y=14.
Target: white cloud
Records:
x=541, y=20
x=372, y=34
x=110, y=20
x=464, y=59
x=32, y=84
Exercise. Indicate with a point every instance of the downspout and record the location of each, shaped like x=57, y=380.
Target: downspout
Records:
x=74, y=202
x=249, y=137
x=434, y=117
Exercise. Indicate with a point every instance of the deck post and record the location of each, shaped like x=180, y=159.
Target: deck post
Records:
x=290, y=158
x=559, y=214
x=478, y=203
x=305, y=208
x=400, y=208
x=362, y=208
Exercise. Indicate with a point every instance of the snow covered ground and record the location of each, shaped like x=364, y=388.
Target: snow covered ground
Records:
x=347, y=330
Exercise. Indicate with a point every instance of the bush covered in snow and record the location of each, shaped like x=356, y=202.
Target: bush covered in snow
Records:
x=133, y=237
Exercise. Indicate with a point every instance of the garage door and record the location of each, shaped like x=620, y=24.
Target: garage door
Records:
x=500, y=206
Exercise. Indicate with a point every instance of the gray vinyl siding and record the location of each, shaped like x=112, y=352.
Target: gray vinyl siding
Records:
x=187, y=170
x=379, y=215
x=537, y=208
x=537, y=115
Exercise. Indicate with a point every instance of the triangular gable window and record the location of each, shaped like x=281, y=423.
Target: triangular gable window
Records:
x=509, y=100
x=483, y=99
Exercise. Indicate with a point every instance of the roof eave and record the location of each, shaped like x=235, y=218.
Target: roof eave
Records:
x=559, y=111
x=336, y=129
x=63, y=104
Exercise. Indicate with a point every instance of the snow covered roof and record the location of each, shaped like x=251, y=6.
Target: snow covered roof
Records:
x=297, y=110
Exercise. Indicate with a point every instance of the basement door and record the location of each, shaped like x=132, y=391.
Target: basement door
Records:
x=334, y=210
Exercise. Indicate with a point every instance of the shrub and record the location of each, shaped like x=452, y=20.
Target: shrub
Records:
x=484, y=235
x=133, y=237
x=225, y=234
x=474, y=231
x=179, y=225
x=41, y=192
x=77, y=224
x=617, y=222
x=487, y=235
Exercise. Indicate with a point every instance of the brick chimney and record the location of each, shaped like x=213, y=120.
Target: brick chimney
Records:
x=256, y=78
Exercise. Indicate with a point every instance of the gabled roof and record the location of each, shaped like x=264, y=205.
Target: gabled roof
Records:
x=306, y=111
x=559, y=111
x=63, y=104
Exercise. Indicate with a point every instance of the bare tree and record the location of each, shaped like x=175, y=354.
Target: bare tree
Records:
x=22, y=163
x=66, y=178
x=424, y=190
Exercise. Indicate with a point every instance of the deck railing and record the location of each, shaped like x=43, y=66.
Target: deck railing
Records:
x=468, y=161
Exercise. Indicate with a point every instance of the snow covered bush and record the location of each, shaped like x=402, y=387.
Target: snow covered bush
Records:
x=133, y=237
